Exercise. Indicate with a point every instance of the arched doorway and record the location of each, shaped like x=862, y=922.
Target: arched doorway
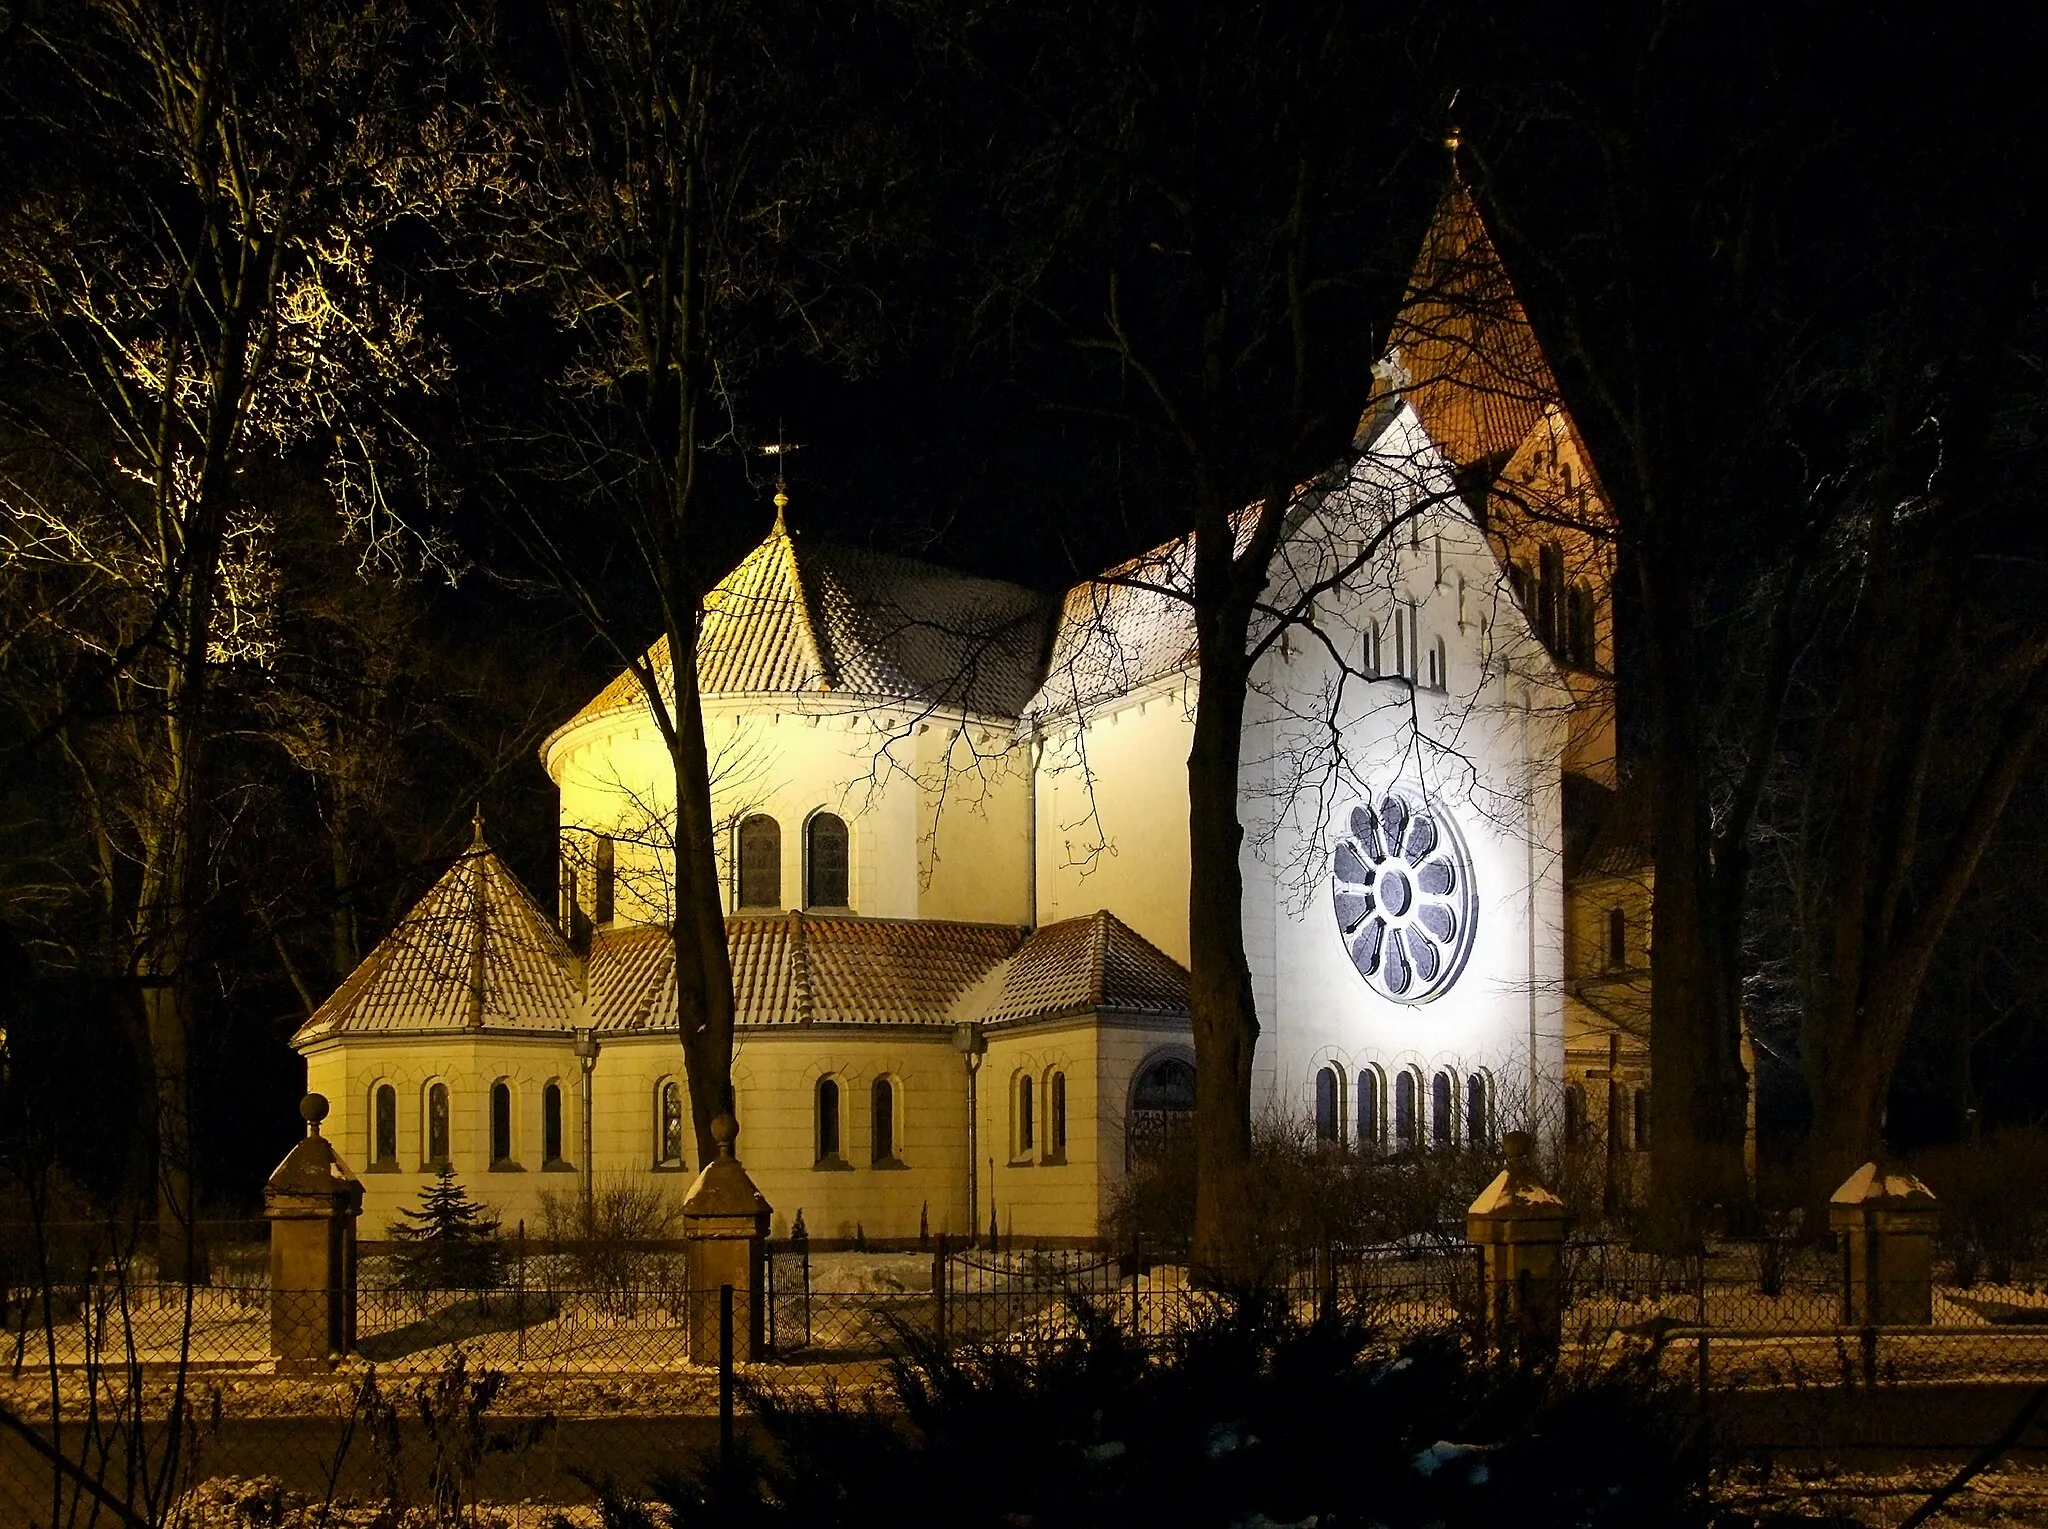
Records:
x=1162, y=1112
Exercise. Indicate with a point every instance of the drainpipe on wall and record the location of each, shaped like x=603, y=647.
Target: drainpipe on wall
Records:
x=1035, y=752
x=972, y=1046
x=586, y=1053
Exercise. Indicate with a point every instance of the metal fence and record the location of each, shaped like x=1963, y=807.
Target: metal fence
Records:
x=597, y=1376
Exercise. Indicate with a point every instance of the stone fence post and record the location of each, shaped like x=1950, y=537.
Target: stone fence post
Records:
x=1887, y=1219
x=1519, y=1226
x=725, y=1229
x=312, y=1202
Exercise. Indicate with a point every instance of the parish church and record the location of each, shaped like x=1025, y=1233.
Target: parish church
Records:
x=955, y=853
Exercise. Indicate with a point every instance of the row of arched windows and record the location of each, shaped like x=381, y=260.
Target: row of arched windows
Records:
x=883, y=1104
x=1439, y=1113
x=1038, y=1117
x=435, y=1139
x=1419, y=662
x=1565, y=615
x=757, y=860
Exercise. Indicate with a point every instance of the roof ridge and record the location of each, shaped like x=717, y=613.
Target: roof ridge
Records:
x=807, y=617
x=1099, y=960
x=800, y=966
x=480, y=928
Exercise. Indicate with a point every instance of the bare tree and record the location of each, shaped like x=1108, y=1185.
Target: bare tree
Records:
x=616, y=176
x=190, y=272
x=1213, y=228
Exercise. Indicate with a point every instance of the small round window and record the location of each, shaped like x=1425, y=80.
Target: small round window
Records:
x=1401, y=887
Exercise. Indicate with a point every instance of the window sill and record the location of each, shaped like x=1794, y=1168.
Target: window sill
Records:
x=1023, y=1162
x=670, y=1168
x=557, y=1165
x=889, y=1165
x=388, y=1165
x=833, y=1164
x=1053, y=1160
x=506, y=1165
x=435, y=1165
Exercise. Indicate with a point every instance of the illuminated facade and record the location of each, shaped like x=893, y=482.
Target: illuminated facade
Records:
x=956, y=858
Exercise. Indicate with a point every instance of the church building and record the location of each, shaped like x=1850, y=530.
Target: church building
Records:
x=955, y=852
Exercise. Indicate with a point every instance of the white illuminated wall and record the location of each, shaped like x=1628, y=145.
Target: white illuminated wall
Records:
x=1484, y=748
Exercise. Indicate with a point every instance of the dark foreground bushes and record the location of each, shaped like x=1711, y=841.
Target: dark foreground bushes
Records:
x=1255, y=1419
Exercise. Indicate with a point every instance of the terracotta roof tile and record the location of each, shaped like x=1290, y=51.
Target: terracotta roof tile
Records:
x=1094, y=962
x=475, y=952
x=799, y=968
x=1469, y=360
x=800, y=617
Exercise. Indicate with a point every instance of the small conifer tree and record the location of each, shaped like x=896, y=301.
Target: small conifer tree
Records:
x=449, y=1243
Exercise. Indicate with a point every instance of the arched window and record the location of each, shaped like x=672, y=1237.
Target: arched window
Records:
x=437, y=1125
x=1367, y=1114
x=668, y=1124
x=825, y=861
x=1371, y=655
x=760, y=862
x=1056, y=1119
x=1617, y=940
x=501, y=1124
x=603, y=894
x=1401, y=660
x=828, y=1120
x=1574, y=1115
x=1443, y=1100
x=1162, y=1105
x=882, y=1106
x=1405, y=1132
x=1642, y=1120
x=1439, y=665
x=1025, y=1094
x=551, y=1123
x=1478, y=1111
x=1461, y=602
x=1328, y=1127
x=384, y=1126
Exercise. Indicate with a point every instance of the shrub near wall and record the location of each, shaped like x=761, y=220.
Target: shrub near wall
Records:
x=1309, y=1193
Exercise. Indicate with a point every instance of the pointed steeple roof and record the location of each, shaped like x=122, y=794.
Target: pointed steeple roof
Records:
x=475, y=953
x=1461, y=350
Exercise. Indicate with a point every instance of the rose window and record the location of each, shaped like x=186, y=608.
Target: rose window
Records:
x=1402, y=890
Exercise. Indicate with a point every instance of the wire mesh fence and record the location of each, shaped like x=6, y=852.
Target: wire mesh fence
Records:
x=118, y=1382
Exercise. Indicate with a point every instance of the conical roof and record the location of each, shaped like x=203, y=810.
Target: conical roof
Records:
x=1464, y=353
x=474, y=953
x=799, y=616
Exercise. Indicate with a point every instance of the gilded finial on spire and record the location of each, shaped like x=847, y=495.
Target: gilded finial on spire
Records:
x=780, y=451
x=476, y=827
x=1453, y=137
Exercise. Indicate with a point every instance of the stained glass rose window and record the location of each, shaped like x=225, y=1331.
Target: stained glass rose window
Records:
x=1401, y=887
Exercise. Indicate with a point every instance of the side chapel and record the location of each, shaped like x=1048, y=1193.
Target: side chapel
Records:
x=957, y=862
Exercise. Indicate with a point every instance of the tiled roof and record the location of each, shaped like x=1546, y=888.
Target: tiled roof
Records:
x=1472, y=368
x=475, y=952
x=800, y=968
x=803, y=617
x=1081, y=964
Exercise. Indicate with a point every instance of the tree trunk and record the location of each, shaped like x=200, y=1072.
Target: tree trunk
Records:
x=704, y=1000
x=1225, y=1019
x=1699, y=1088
